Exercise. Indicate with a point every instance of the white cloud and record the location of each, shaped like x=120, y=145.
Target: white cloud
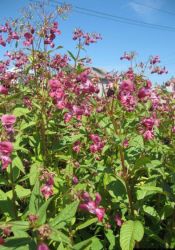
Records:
x=145, y=9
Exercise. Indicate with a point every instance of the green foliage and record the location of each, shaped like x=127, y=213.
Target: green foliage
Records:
x=130, y=233
x=82, y=166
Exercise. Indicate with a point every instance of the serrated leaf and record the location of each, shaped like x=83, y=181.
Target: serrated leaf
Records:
x=131, y=231
x=66, y=214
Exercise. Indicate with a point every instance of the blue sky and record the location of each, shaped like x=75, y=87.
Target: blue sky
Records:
x=117, y=37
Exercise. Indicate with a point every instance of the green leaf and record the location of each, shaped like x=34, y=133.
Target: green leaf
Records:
x=42, y=212
x=151, y=211
x=35, y=199
x=87, y=223
x=23, y=225
x=66, y=214
x=61, y=247
x=154, y=236
x=59, y=236
x=20, y=111
x=18, y=163
x=22, y=243
x=71, y=55
x=83, y=244
x=111, y=238
x=131, y=231
x=146, y=190
x=96, y=244
x=117, y=189
x=27, y=125
x=34, y=173
x=22, y=192
x=137, y=142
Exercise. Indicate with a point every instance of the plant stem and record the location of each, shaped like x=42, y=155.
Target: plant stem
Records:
x=124, y=168
x=14, y=197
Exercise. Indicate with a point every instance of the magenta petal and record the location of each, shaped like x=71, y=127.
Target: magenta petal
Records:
x=100, y=212
x=84, y=207
x=43, y=246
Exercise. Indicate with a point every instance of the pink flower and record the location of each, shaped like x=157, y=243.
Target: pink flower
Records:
x=173, y=129
x=92, y=206
x=33, y=218
x=2, y=42
x=6, y=148
x=148, y=135
x=127, y=100
x=148, y=127
x=148, y=122
x=143, y=92
x=29, y=39
x=47, y=190
x=97, y=145
x=2, y=241
x=127, y=85
x=77, y=34
x=118, y=220
x=75, y=180
x=42, y=246
x=155, y=59
x=3, y=90
x=100, y=212
x=67, y=117
x=95, y=138
x=128, y=56
x=8, y=120
x=125, y=143
x=76, y=147
x=47, y=177
x=5, y=160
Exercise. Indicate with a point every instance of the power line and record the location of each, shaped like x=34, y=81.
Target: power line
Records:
x=118, y=18
x=120, y=21
x=154, y=8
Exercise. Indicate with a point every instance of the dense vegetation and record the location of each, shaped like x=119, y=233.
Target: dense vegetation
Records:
x=84, y=164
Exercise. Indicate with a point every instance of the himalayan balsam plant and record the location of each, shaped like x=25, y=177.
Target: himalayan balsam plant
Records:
x=85, y=162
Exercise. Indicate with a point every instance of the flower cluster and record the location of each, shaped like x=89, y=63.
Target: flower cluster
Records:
x=47, y=188
x=97, y=145
x=59, y=61
x=79, y=86
x=8, y=122
x=29, y=37
x=86, y=38
x=154, y=60
x=6, y=148
x=128, y=56
x=159, y=70
x=126, y=97
x=11, y=34
x=19, y=58
x=147, y=127
x=50, y=34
